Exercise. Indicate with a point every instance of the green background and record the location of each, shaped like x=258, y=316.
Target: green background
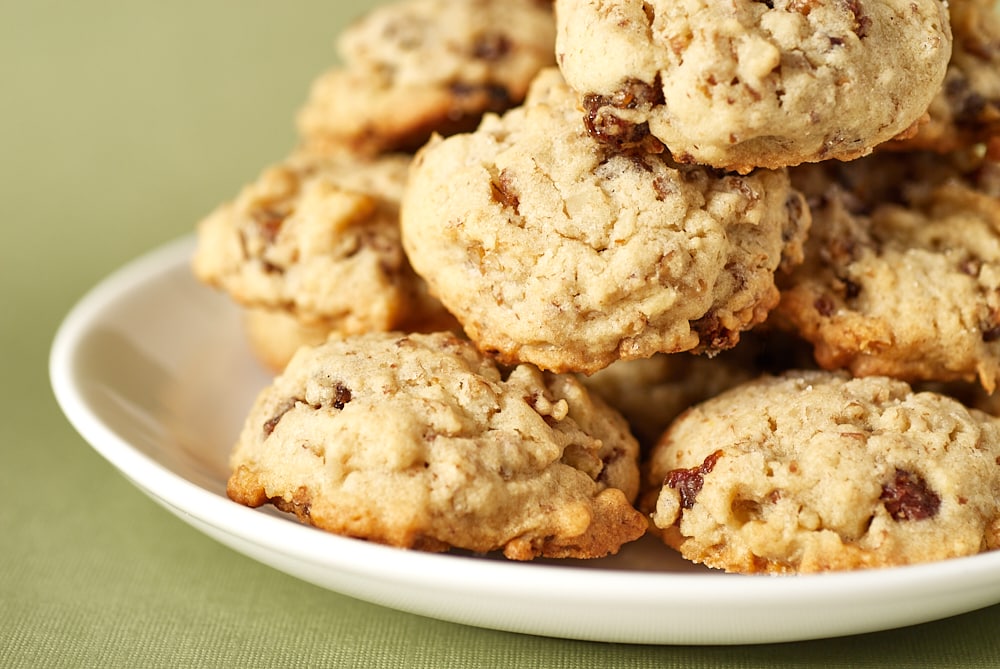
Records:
x=121, y=124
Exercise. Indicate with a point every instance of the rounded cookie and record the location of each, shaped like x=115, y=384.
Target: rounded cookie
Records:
x=551, y=248
x=313, y=246
x=274, y=335
x=902, y=277
x=414, y=67
x=966, y=109
x=816, y=471
x=419, y=441
x=746, y=84
x=651, y=392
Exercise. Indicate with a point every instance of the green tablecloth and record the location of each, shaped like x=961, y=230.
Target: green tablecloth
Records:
x=122, y=123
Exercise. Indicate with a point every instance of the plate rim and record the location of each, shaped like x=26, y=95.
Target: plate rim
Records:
x=458, y=573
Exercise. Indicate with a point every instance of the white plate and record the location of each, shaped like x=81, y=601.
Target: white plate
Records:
x=151, y=368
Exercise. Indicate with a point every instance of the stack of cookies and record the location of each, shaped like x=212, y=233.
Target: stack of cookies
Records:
x=543, y=277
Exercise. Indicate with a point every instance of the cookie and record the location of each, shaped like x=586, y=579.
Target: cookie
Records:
x=751, y=84
x=902, y=276
x=816, y=471
x=314, y=244
x=274, y=335
x=419, y=441
x=414, y=67
x=966, y=111
x=549, y=247
x=651, y=392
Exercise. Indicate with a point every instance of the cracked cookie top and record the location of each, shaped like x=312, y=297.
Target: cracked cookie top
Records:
x=552, y=248
x=754, y=83
x=419, y=441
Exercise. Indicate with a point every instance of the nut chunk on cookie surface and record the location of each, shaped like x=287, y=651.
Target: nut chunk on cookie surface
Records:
x=551, y=248
x=419, y=441
x=746, y=83
x=815, y=471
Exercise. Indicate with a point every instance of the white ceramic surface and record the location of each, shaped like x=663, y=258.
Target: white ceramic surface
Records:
x=152, y=370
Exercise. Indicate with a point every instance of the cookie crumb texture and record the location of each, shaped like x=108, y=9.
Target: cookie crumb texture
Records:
x=419, y=441
x=746, y=84
x=551, y=248
x=814, y=471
